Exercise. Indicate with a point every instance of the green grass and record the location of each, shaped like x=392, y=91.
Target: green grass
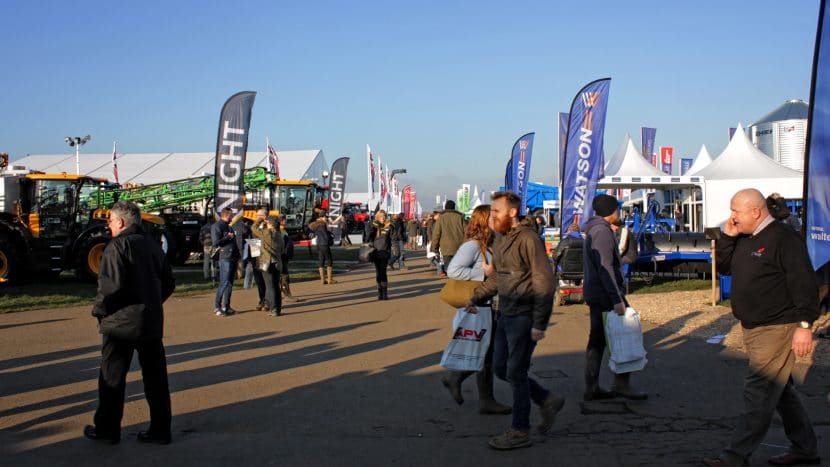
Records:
x=661, y=285
x=66, y=291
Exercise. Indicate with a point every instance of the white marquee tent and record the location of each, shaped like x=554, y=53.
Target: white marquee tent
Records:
x=742, y=165
x=702, y=160
x=163, y=167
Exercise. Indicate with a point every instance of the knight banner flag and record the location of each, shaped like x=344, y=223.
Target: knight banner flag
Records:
x=647, y=137
x=817, y=157
x=231, y=149
x=520, y=169
x=337, y=191
x=584, y=152
x=563, y=137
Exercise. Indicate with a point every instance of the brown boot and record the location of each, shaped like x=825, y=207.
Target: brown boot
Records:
x=331, y=281
x=487, y=403
x=322, y=276
x=622, y=387
x=285, y=285
x=452, y=381
x=593, y=361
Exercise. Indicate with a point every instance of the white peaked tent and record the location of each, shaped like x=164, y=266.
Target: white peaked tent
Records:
x=628, y=161
x=702, y=160
x=742, y=165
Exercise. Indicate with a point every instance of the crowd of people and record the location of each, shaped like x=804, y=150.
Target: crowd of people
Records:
x=774, y=297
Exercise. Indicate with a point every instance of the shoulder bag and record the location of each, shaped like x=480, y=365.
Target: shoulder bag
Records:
x=457, y=293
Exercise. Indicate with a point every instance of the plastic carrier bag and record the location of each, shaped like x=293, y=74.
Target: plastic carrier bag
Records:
x=624, y=337
x=470, y=340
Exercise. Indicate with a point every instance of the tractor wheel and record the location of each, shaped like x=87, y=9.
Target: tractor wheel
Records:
x=88, y=263
x=9, y=265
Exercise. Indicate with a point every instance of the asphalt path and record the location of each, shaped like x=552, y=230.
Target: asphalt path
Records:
x=343, y=379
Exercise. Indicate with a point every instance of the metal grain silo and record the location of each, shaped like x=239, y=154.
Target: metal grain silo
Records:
x=782, y=133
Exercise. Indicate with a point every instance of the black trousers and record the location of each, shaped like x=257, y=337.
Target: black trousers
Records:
x=381, y=263
x=116, y=356
x=260, y=284
x=273, y=293
x=324, y=255
x=596, y=336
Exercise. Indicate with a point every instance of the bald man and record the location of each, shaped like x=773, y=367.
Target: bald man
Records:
x=774, y=297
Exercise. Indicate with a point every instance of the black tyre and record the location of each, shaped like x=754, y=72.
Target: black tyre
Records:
x=88, y=259
x=10, y=271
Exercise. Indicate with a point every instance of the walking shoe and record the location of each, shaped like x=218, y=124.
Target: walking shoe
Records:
x=261, y=307
x=92, y=433
x=153, y=438
x=218, y=312
x=511, y=439
x=552, y=405
x=229, y=311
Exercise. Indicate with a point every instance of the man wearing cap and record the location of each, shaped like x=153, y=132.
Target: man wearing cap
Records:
x=774, y=295
x=604, y=291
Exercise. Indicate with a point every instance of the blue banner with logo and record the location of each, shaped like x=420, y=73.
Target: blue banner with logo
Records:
x=647, y=136
x=584, y=157
x=817, y=157
x=520, y=168
x=685, y=165
x=563, y=138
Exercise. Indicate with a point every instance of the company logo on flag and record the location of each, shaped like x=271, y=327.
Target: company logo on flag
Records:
x=583, y=160
x=519, y=169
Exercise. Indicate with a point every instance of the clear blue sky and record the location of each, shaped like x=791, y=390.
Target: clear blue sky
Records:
x=441, y=88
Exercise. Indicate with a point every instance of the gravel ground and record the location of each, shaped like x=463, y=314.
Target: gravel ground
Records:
x=692, y=313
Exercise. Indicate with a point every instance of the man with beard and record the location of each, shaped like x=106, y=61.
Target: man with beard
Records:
x=521, y=276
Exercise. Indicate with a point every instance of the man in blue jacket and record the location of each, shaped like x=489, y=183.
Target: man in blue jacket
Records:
x=224, y=237
x=604, y=291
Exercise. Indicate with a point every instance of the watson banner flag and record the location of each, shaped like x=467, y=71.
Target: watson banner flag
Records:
x=563, y=137
x=231, y=149
x=647, y=136
x=685, y=165
x=520, y=169
x=584, y=152
x=337, y=190
x=817, y=157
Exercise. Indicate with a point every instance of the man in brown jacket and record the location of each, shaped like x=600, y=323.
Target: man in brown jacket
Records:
x=522, y=277
x=448, y=234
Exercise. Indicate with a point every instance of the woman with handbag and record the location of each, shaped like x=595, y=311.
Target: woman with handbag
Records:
x=378, y=236
x=269, y=262
x=468, y=265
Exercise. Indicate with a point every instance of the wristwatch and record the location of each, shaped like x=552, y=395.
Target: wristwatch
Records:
x=804, y=325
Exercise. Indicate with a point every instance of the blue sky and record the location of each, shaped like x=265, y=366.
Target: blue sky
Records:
x=442, y=89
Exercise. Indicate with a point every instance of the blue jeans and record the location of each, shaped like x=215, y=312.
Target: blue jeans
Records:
x=512, y=349
x=227, y=269
x=247, y=282
x=401, y=258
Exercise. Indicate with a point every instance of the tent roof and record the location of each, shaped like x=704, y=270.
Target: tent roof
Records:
x=149, y=168
x=628, y=161
x=742, y=160
x=702, y=160
x=793, y=109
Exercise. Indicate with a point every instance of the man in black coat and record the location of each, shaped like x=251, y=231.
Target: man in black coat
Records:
x=134, y=280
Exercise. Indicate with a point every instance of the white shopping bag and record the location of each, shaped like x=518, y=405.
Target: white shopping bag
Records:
x=470, y=340
x=419, y=241
x=430, y=254
x=255, y=245
x=624, y=337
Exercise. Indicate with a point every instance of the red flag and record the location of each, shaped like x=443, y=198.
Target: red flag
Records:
x=273, y=161
x=114, y=164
